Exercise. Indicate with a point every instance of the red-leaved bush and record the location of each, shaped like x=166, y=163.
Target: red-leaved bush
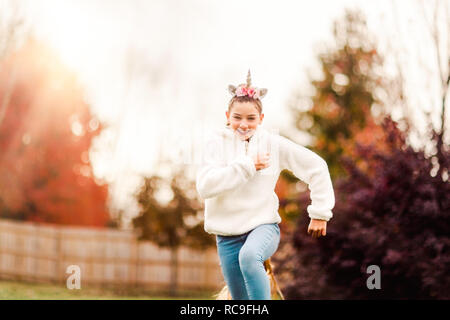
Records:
x=394, y=213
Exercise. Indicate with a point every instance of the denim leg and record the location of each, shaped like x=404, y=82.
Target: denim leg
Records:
x=228, y=249
x=261, y=244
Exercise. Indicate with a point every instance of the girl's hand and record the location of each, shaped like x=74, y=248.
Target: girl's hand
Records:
x=262, y=161
x=317, y=228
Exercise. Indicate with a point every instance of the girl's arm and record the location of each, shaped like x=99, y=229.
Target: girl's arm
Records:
x=214, y=178
x=313, y=170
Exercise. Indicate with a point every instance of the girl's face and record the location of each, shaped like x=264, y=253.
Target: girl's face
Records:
x=244, y=118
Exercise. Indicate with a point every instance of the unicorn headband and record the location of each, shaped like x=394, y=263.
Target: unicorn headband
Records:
x=246, y=89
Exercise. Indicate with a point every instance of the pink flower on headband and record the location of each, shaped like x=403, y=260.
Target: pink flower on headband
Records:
x=252, y=92
x=241, y=91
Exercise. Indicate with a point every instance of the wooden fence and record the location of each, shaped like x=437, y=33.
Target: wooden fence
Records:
x=42, y=253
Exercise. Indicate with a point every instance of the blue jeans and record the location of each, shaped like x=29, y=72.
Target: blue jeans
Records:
x=242, y=261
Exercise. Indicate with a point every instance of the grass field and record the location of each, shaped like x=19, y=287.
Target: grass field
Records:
x=13, y=290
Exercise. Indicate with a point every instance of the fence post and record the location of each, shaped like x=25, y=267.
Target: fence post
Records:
x=59, y=256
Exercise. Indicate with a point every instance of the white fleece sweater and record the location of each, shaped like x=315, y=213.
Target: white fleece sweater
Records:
x=239, y=198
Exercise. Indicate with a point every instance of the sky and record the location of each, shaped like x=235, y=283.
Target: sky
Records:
x=157, y=71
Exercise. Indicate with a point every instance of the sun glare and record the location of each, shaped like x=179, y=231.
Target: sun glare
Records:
x=71, y=31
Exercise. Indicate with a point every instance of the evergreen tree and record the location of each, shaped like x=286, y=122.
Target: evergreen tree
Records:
x=343, y=100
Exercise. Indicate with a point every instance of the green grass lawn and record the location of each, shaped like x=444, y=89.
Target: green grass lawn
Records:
x=14, y=290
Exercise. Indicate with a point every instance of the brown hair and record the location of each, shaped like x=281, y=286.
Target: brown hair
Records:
x=257, y=102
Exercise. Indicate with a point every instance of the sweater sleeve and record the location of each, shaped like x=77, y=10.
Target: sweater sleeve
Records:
x=214, y=178
x=313, y=170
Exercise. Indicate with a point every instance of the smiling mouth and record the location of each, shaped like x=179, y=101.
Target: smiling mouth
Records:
x=243, y=132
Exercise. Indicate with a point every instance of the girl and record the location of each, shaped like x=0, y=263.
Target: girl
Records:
x=241, y=166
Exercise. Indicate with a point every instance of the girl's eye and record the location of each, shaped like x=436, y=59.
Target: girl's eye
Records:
x=238, y=118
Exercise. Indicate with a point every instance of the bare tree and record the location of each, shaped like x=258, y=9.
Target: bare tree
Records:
x=435, y=16
x=12, y=30
x=439, y=30
x=440, y=33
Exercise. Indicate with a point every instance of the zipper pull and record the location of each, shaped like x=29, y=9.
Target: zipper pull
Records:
x=246, y=147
